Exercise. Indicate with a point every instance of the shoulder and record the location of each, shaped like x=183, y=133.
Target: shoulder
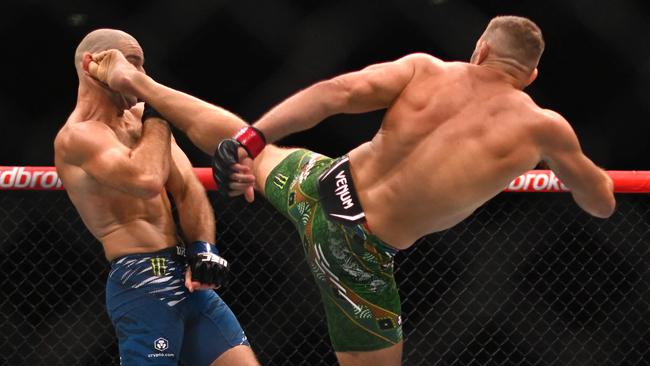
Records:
x=423, y=60
x=552, y=129
x=83, y=131
x=411, y=65
x=538, y=118
x=552, y=120
x=421, y=57
x=75, y=140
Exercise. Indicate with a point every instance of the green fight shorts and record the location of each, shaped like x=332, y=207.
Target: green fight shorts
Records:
x=352, y=267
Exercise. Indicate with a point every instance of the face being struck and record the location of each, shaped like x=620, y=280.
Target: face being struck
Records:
x=133, y=54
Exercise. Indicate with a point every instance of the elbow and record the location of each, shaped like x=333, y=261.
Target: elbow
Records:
x=608, y=202
x=600, y=205
x=605, y=207
x=604, y=212
x=601, y=202
x=608, y=208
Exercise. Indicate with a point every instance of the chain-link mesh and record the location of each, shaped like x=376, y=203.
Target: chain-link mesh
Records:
x=527, y=280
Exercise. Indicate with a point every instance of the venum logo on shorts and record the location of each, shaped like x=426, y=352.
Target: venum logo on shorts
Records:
x=338, y=197
x=343, y=191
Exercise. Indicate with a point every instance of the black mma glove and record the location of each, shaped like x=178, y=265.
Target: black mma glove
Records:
x=251, y=139
x=207, y=266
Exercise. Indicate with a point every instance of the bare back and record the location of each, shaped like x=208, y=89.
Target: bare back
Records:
x=453, y=139
x=122, y=222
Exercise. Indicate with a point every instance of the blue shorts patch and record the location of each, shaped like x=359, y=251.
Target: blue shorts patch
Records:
x=158, y=321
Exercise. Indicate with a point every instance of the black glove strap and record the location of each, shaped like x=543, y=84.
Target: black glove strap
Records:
x=149, y=112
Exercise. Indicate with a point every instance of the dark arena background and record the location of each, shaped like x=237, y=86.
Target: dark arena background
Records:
x=529, y=279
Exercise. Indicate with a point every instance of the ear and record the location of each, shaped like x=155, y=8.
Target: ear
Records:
x=85, y=61
x=532, y=77
x=481, y=53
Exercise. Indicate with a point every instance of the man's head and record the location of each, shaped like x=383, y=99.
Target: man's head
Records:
x=513, y=41
x=105, y=39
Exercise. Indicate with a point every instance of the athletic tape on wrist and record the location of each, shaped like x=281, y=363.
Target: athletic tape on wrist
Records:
x=252, y=140
x=198, y=247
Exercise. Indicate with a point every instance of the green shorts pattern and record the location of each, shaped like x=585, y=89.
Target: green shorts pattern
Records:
x=353, y=268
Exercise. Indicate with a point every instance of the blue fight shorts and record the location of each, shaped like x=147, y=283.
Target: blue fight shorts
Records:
x=158, y=321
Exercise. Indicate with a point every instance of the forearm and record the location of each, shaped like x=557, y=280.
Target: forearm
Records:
x=205, y=124
x=150, y=159
x=196, y=215
x=302, y=111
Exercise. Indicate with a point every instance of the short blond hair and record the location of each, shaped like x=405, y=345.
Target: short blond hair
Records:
x=517, y=38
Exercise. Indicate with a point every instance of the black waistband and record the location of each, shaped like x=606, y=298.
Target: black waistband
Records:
x=176, y=251
x=338, y=195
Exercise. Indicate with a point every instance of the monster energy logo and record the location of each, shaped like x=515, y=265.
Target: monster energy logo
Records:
x=158, y=266
x=280, y=180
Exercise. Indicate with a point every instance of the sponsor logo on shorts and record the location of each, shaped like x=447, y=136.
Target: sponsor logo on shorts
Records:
x=338, y=197
x=280, y=180
x=343, y=191
x=158, y=267
x=160, y=345
x=180, y=251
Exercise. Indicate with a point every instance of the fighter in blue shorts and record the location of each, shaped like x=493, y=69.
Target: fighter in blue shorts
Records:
x=155, y=316
x=118, y=163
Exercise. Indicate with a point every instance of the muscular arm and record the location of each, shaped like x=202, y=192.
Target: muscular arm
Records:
x=372, y=88
x=194, y=210
x=141, y=171
x=205, y=124
x=591, y=187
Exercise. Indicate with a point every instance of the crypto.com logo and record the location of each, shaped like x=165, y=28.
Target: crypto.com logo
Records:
x=160, y=344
